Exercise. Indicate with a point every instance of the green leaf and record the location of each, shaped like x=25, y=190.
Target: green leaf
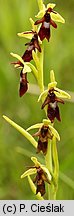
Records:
x=22, y=131
x=67, y=180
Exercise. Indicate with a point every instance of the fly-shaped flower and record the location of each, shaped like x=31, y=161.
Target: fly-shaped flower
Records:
x=52, y=101
x=48, y=17
x=23, y=75
x=52, y=96
x=42, y=175
x=32, y=45
x=44, y=134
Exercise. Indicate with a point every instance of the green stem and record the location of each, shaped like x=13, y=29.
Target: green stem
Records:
x=40, y=71
x=48, y=157
x=55, y=158
x=56, y=164
x=48, y=160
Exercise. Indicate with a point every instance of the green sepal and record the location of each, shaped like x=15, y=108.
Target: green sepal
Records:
x=62, y=94
x=51, y=5
x=55, y=133
x=25, y=34
x=57, y=17
x=41, y=5
x=38, y=125
x=43, y=94
x=30, y=171
x=34, y=27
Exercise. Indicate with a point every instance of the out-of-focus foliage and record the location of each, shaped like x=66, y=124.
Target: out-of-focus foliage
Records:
x=59, y=56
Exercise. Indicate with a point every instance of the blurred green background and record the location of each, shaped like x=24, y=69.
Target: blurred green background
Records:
x=59, y=56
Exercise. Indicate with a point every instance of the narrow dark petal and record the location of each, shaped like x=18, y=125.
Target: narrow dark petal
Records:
x=39, y=21
x=57, y=113
x=53, y=23
x=36, y=134
x=23, y=84
x=51, y=113
x=27, y=43
x=28, y=32
x=37, y=46
x=47, y=101
x=59, y=100
x=17, y=63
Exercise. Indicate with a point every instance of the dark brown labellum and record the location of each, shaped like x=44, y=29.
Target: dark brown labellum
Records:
x=23, y=84
x=42, y=146
x=40, y=184
x=40, y=187
x=52, y=113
